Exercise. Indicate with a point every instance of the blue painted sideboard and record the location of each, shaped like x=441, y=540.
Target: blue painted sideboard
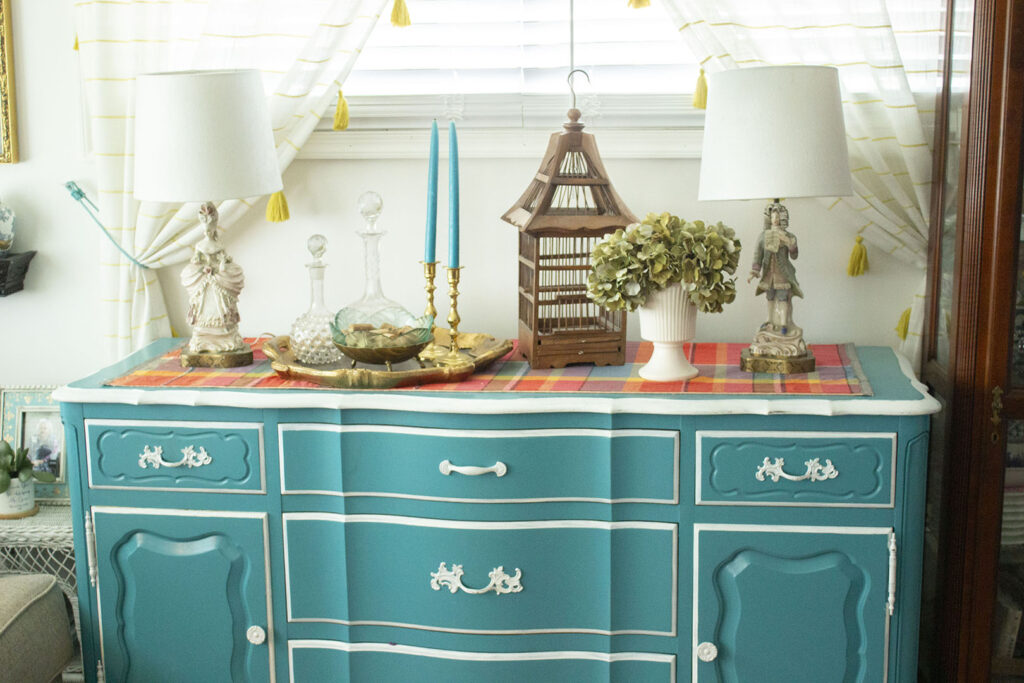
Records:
x=310, y=535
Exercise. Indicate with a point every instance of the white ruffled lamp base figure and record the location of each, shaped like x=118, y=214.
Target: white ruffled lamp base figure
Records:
x=213, y=281
x=668, y=320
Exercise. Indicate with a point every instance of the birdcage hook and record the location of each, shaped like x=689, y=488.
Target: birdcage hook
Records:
x=571, y=88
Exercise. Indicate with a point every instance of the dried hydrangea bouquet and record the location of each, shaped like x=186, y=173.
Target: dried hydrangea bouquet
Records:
x=667, y=268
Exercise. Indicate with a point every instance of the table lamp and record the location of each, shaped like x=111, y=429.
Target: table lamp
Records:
x=772, y=132
x=205, y=136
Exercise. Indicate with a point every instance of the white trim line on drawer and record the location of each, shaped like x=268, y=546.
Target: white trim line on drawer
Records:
x=793, y=435
x=187, y=424
x=484, y=434
x=772, y=528
x=458, y=524
x=567, y=403
x=315, y=644
x=171, y=512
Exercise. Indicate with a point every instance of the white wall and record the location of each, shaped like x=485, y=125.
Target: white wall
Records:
x=50, y=332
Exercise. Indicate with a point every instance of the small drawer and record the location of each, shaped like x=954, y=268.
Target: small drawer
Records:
x=571, y=576
x=487, y=466
x=176, y=456
x=821, y=469
x=313, y=661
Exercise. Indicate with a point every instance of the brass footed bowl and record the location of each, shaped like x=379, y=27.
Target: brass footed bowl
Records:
x=381, y=355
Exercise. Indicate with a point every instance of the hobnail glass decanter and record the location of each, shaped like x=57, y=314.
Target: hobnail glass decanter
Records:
x=311, y=332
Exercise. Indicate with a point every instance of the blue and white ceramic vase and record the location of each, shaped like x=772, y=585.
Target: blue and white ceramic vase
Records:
x=6, y=228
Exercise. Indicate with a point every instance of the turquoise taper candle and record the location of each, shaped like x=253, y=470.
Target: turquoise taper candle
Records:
x=453, y=197
x=429, y=247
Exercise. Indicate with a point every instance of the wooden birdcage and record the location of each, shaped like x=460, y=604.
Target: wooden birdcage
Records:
x=568, y=207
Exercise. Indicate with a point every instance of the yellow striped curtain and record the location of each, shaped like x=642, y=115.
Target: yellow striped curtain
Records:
x=304, y=49
x=887, y=54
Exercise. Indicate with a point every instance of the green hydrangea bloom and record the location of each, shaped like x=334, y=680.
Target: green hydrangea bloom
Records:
x=628, y=265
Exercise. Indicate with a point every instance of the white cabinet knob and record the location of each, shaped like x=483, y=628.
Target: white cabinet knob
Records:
x=707, y=652
x=256, y=635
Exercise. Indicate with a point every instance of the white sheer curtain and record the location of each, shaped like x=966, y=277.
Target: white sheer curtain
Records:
x=304, y=49
x=888, y=57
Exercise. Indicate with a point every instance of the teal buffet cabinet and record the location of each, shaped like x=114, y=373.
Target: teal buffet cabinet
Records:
x=311, y=536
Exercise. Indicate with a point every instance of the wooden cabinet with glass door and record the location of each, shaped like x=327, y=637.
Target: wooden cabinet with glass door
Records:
x=974, y=346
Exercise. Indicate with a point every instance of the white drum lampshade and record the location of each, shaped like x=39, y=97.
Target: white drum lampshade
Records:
x=773, y=132
x=203, y=136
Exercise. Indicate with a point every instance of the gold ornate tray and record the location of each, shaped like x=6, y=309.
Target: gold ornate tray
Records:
x=480, y=349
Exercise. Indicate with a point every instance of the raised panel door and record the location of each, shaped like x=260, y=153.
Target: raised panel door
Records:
x=790, y=604
x=182, y=592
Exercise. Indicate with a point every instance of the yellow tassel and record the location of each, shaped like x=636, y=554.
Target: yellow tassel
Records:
x=638, y=4
x=75, y=48
x=341, y=113
x=700, y=94
x=903, y=326
x=277, y=208
x=858, y=259
x=400, y=14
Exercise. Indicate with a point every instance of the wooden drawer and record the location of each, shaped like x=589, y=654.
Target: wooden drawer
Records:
x=571, y=576
x=821, y=469
x=535, y=465
x=313, y=661
x=180, y=456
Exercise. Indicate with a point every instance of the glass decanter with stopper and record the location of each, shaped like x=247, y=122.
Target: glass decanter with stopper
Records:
x=311, y=332
x=376, y=329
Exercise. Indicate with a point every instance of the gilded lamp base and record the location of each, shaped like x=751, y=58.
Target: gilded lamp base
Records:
x=216, y=359
x=783, y=365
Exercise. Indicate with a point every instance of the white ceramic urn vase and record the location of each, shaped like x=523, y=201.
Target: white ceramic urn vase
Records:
x=19, y=500
x=668, y=320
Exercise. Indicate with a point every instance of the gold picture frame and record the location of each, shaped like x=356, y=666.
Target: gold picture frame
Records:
x=8, y=110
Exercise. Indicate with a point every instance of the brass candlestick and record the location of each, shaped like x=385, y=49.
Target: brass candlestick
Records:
x=429, y=272
x=453, y=310
x=433, y=351
x=454, y=355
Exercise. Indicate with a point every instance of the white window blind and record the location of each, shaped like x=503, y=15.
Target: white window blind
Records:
x=498, y=68
x=522, y=46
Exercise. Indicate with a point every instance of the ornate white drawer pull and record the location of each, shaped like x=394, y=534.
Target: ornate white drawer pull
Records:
x=191, y=458
x=815, y=471
x=501, y=582
x=499, y=468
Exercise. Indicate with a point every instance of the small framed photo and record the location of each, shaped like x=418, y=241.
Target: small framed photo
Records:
x=31, y=419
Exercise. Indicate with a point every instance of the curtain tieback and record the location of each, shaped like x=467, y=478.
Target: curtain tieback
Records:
x=79, y=196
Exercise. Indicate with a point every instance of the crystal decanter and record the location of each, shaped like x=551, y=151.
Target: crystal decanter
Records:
x=311, y=333
x=376, y=329
x=373, y=305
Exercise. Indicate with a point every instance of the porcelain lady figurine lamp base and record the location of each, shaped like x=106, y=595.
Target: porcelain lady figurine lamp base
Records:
x=213, y=282
x=779, y=343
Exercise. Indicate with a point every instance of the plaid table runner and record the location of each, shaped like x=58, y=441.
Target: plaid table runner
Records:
x=838, y=372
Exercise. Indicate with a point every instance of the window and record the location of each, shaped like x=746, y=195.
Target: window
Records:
x=499, y=69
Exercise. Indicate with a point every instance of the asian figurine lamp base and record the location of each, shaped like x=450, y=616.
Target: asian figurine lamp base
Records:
x=783, y=365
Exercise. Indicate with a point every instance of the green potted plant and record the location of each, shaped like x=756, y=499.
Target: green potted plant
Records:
x=17, y=482
x=667, y=268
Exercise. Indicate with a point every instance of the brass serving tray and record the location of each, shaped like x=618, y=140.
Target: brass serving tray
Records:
x=480, y=349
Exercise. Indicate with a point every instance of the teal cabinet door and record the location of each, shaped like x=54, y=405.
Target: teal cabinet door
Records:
x=778, y=604
x=183, y=594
